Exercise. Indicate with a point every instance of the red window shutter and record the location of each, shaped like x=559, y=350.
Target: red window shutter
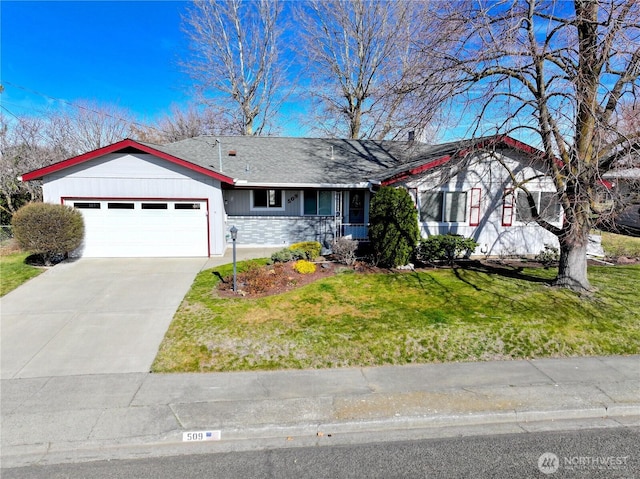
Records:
x=476, y=194
x=507, y=207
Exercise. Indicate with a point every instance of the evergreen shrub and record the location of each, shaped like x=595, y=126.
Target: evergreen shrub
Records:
x=48, y=229
x=393, y=230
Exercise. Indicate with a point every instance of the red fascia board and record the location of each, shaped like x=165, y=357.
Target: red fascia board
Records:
x=504, y=139
x=518, y=145
x=115, y=147
x=606, y=183
x=416, y=170
x=535, y=152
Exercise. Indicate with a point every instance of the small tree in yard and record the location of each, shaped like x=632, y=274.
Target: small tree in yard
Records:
x=394, y=229
x=48, y=229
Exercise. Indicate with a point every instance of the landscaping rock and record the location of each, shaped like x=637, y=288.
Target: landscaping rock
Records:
x=625, y=260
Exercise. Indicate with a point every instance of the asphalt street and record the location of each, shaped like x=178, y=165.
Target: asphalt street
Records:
x=584, y=454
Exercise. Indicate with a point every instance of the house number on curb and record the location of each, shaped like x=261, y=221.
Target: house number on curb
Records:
x=201, y=436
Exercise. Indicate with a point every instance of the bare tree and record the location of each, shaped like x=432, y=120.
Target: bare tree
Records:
x=28, y=143
x=629, y=120
x=557, y=71
x=234, y=59
x=184, y=123
x=87, y=125
x=360, y=60
x=21, y=150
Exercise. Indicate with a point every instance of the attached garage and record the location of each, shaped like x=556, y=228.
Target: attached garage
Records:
x=140, y=201
x=125, y=227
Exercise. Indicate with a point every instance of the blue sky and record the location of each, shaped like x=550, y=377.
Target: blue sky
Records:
x=118, y=52
x=123, y=53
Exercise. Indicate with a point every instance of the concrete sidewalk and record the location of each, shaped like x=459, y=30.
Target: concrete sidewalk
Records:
x=83, y=418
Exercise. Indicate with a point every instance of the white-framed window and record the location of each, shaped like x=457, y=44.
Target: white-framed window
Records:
x=443, y=206
x=317, y=203
x=267, y=199
x=546, y=203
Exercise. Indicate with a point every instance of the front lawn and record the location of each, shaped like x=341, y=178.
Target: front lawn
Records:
x=354, y=319
x=616, y=245
x=14, y=271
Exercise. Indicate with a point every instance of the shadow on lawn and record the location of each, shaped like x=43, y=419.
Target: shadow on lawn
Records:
x=506, y=271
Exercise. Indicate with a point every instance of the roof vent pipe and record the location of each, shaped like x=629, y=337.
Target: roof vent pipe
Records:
x=219, y=153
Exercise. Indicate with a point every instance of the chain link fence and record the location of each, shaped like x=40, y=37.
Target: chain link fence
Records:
x=5, y=233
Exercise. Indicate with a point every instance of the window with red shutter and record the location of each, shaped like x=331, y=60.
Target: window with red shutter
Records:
x=508, y=201
x=476, y=194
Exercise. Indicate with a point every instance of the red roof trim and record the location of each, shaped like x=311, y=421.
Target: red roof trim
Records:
x=416, y=170
x=115, y=147
x=498, y=139
x=606, y=183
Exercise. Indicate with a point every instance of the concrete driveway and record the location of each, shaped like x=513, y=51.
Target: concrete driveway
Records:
x=92, y=316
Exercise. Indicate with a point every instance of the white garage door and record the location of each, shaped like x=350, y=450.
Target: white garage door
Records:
x=143, y=228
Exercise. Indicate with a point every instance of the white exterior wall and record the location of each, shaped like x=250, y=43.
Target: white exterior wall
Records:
x=492, y=178
x=139, y=175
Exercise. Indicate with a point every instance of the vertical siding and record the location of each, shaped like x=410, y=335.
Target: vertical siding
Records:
x=493, y=238
x=140, y=176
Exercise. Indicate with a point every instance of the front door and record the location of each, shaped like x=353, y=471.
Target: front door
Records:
x=356, y=207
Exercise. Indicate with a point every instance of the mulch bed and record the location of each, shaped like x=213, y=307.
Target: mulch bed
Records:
x=280, y=278
x=273, y=279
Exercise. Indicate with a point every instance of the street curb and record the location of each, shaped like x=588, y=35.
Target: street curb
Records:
x=319, y=433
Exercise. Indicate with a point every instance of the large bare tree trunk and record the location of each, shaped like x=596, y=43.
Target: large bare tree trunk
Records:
x=572, y=268
x=563, y=70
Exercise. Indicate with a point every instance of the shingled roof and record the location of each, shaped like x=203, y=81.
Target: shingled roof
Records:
x=317, y=161
x=263, y=161
x=276, y=160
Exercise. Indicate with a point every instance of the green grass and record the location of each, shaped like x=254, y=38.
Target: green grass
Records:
x=14, y=271
x=442, y=315
x=615, y=245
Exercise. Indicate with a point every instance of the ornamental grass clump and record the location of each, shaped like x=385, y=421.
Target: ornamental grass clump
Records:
x=304, y=267
x=282, y=256
x=344, y=250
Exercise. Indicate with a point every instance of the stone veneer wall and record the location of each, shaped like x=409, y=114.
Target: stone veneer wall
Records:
x=281, y=230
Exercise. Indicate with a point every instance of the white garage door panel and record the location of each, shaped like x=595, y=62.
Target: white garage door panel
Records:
x=137, y=232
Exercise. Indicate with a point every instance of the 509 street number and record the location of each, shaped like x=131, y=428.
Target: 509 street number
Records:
x=197, y=436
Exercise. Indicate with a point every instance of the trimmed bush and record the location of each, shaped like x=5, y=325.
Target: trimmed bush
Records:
x=549, y=256
x=394, y=231
x=447, y=247
x=344, y=250
x=306, y=250
x=311, y=249
x=304, y=267
x=282, y=256
x=297, y=254
x=48, y=229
